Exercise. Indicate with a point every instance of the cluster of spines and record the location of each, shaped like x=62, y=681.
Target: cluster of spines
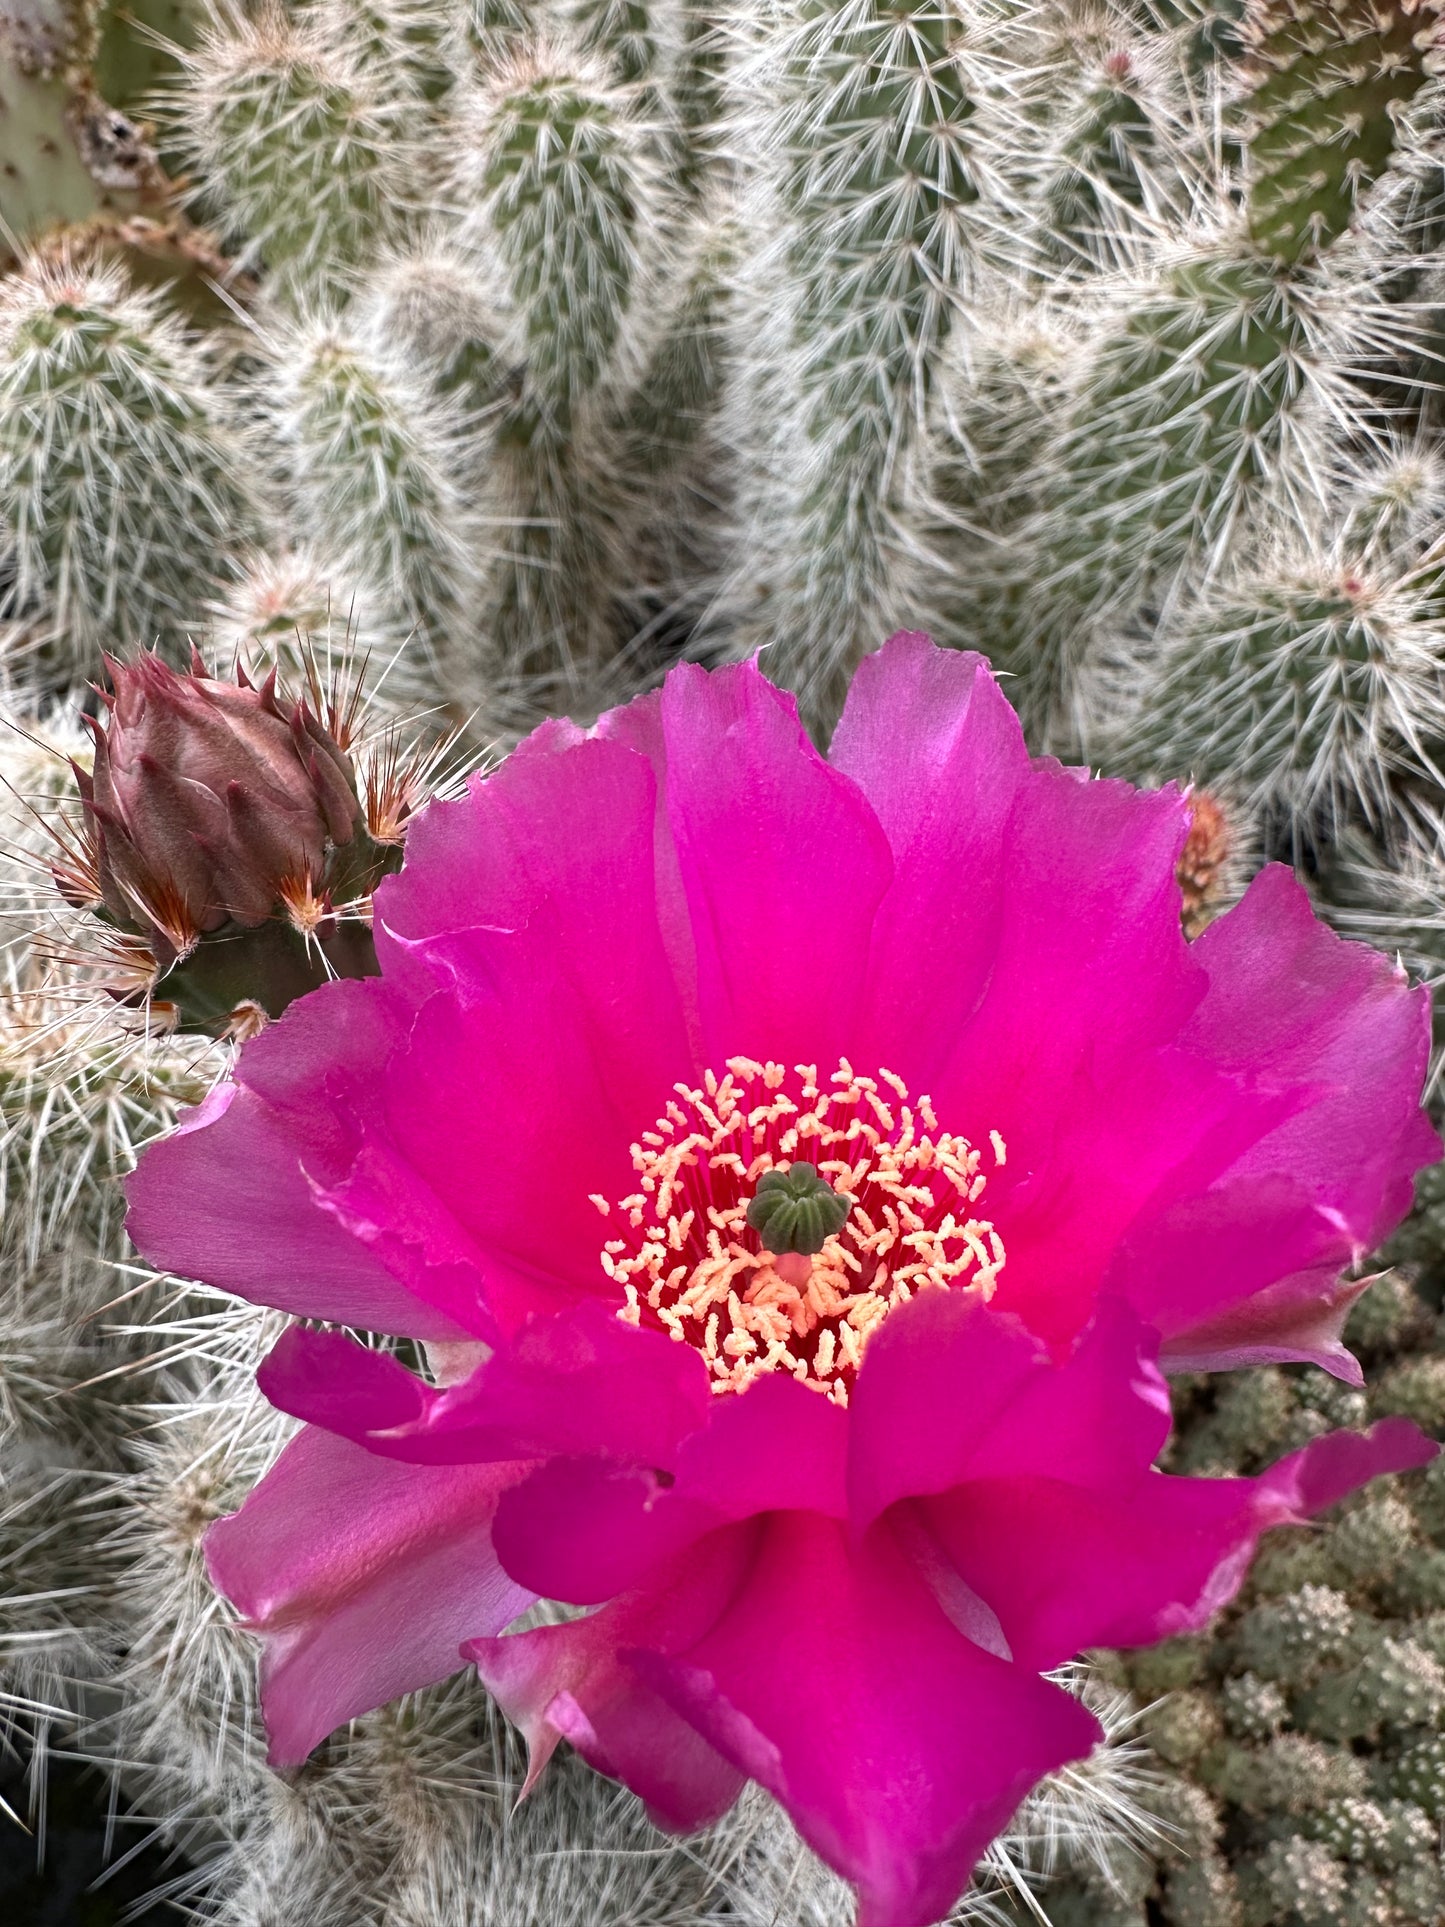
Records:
x=124, y=483
x=298, y=146
x=1328, y=83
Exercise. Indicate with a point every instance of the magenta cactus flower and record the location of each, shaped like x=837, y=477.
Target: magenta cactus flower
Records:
x=800, y=1171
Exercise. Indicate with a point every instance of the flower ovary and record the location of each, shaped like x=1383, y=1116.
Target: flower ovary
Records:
x=797, y=1209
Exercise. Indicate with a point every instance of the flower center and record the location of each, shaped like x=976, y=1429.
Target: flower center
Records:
x=781, y=1217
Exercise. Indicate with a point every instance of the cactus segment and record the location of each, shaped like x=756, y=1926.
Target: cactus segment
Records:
x=43, y=181
x=1306, y=689
x=559, y=163
x=125, y=486
x=1211, y=393
x=374, y=472
x=877, y=204
x=1328, y=81
x=302, y=159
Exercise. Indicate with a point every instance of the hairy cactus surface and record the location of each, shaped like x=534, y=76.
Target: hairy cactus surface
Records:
x=1327, y=84
x=880, y=202
x=123, y=473
x=297, y=144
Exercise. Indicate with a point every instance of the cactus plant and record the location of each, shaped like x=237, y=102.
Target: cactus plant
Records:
x=500, y=353
x=1327, y=86
x=124, y=480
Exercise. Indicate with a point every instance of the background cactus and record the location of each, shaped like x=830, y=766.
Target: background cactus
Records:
x=502, y=352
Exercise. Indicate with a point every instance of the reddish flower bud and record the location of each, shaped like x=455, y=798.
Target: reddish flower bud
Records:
x=211, y=803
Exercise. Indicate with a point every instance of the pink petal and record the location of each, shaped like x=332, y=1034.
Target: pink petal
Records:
x=1293, y=1006
x=1064, y=1569
x=1157, y=1124
x=584, y=1530
x=930, y=739
x=1245, y=1273
x=777, y=1447
x=536, y=900
x=572, y=1681
x=1091, y=968
x=783, y=865
x=1298, y=1318
x=952, y=1390
x=897, y=1745
x=638, y=726
x=1332, y=1028
x=582, y=1382
x=559, y=841
x=362, y=1577
x=230, y=1196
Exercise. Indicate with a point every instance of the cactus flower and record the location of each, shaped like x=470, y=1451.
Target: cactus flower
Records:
x=835, y=1503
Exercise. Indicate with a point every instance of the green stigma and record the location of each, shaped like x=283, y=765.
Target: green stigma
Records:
x=797, y=1209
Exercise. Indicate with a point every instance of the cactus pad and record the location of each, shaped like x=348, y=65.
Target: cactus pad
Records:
x=1330, y=78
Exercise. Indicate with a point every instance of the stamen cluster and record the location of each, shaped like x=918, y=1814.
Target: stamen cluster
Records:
x=691, y=1265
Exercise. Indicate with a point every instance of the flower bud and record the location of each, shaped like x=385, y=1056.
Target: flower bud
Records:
x=226, y=847
x=211, y=804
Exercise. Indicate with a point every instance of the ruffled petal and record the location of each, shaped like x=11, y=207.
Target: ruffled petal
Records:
x=898, y=1747
x=1064, y=1569
x=638, y=726
x=362, y=1577
x=574, y=1682
x=580, y=1383
x=783, y=865
x=1244, y=1273
x=1091, y=966
x=231, y=1195
x=584, y=1530
x=1331, y=1032
x=952, y=1390
x=929, y=738
x=1295, y=1007
x=536, y=900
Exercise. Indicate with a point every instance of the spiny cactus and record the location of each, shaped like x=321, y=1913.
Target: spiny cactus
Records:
x=557, y=164
x=432, y=301
x=1327, y=84
x=375, y=475
x=124, y=479
x=880, y=200
x=1311, y=688
x=288, y=607
x=1207, y=399
x=298, y=147
x=1117, y=148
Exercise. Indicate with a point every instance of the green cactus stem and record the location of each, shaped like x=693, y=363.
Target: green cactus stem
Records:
x=1328, y=82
